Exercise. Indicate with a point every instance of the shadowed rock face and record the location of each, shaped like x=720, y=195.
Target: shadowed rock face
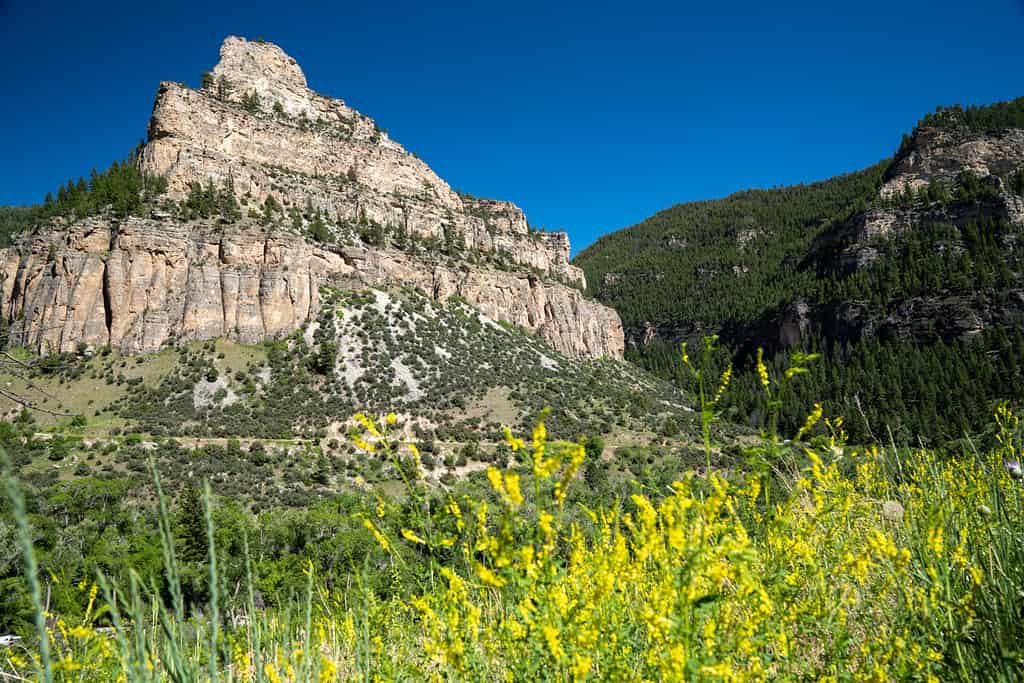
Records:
x=143, y=282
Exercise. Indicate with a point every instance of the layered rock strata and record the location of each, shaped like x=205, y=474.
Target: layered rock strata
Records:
x=140, y=283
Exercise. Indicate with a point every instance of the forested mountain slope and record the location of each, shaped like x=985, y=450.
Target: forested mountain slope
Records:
x=906, y=270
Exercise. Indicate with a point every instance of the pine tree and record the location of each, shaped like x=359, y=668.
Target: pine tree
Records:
x=192, y=526
x=224, y=89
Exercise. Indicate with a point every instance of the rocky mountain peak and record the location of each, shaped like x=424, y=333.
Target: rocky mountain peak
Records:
x=265, y=69
x=322, y=196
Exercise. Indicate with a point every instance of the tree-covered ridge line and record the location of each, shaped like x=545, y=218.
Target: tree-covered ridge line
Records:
x=855, y=277
x=649, y=272
x=122, y=189
x=993, y=116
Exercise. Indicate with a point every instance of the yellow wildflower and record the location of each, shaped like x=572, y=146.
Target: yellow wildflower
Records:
x=489, y=577
x=762, y=369
x=409, y=535
x=551, y=639
x=381, y=539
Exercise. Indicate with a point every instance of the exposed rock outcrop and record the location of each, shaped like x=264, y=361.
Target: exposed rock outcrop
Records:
x=316, y=153
x=143, y=282
x=941, y=155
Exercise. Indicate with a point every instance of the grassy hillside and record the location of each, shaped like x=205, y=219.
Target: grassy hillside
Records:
x=271, y=421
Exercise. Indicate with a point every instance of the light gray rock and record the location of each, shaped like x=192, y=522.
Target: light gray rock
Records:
x=141, y=283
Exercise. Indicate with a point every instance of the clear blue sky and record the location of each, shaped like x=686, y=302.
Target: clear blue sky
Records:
x=590, y=116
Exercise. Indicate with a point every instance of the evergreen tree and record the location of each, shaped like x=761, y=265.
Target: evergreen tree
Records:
x=192, y=526
x=224, y=89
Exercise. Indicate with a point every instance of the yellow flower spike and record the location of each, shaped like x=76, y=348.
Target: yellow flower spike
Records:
x=455, y=511
x=540, y=433
x=551, y=639
x=328, y=670
x=92, y=601
x=513, y=443
x=377, y=535
x=410, y=535
x=489, y=578
x=762, y=369
x=481, y=519
x=580, y=667
x=976, y=575
x=685, y=354
x=723, y=384
x=794, y=371
x=494, y=476
x=515, y=495
x=544, y=522
x=367, y=423
x=363, y=445
x=545, y=468
x=391, y=418
x=935, y=540
x=809, y=423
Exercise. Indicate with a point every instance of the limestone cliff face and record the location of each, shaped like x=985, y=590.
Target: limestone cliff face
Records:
x=144, y=282
x=943, y=153
x=311, y=151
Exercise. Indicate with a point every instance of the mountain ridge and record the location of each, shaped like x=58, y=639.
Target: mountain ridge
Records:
x=920, y=254
x=304, y=190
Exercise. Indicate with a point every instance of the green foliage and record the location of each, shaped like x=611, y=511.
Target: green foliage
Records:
x=251, y=102
x=678, y=265
x=318, y=229
x=15, y=220
x=902, y=564
x=984, y=117
x=271, y=207
x=122, y=190
x=209, y=201
x=224, y=89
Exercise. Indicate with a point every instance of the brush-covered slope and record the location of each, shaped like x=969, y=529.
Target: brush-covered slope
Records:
x=909, y=269
x=450, y=366
x=270, y=421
